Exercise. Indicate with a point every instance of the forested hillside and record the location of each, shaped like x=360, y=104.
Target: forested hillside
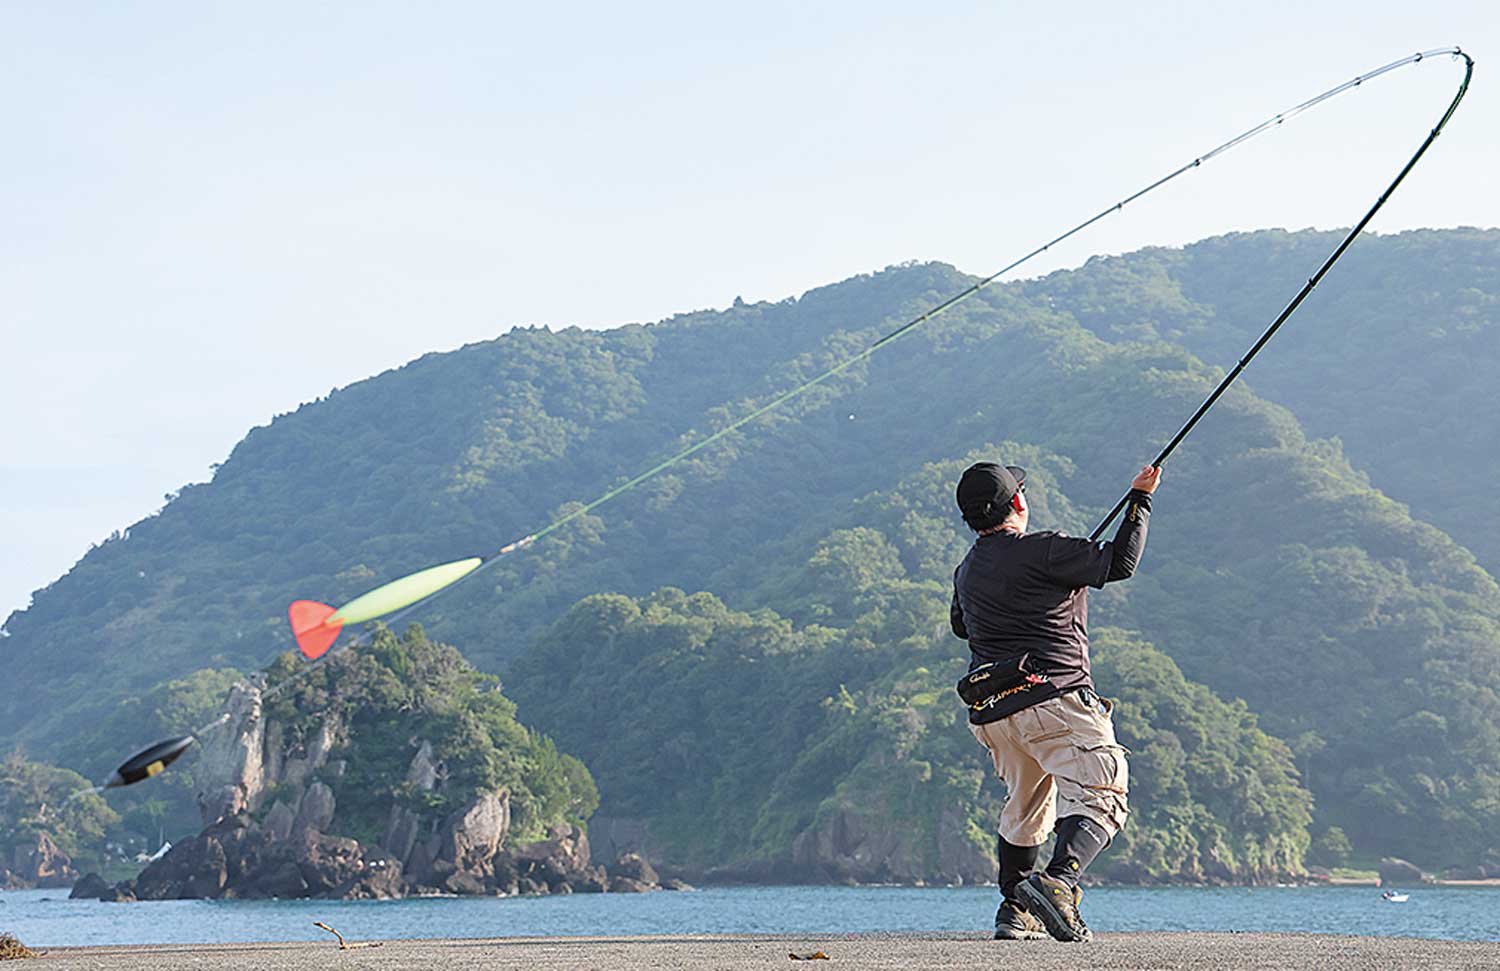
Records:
x=1396, y=353
x=839, y=754
x=1365, y=639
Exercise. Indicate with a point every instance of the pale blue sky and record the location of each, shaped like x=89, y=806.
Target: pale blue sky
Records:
x=217, y=211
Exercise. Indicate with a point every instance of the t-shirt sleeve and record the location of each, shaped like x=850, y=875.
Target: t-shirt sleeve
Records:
x=1073, y=562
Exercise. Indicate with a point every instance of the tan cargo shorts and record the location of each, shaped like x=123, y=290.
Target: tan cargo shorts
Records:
x=1057, y=759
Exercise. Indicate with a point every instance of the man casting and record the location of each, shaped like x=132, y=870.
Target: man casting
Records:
x=1021, y=601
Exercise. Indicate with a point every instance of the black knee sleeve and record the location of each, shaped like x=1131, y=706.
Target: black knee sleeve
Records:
x=1079, y=840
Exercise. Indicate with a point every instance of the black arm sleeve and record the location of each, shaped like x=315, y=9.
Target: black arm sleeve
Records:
x=1130, y=538
x=1074, y=563
x=956, y=617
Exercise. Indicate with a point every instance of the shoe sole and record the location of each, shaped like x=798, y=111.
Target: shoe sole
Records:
x=1021, y=936
x=1042, y=908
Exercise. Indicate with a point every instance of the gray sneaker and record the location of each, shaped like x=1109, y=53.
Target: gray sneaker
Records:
x=1014, y=923
x=1056, y=904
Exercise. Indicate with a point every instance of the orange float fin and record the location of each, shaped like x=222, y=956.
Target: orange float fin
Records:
x=311, y=626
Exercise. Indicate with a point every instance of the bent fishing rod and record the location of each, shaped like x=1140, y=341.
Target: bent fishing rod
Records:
x=384, y=602
x=943, y=306
x=1316, y=278
x=465, y=569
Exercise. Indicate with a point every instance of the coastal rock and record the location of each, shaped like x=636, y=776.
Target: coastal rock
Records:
x=471, y=837
x=231, y=769
x=297, y=767
x=279, y=821
x=846, y=846
x=191, y=868
x=283, y=881
x=91, y=887
x=327, y=862
x=560, y=864
x=379, y=879
x=424, y=769
x=850, y=845
x=1215, y=867
x=401, y=831
x=315, y=812
x=419, y=864
x=566, y=846
x=290, y=855
x=594, y=881
x=634, y=867
x=39, y=862
x=463, y=883
x=611, y=837
x=121, y=893
x=959, y=859
x=628, y=885
x=236, y=859
x=1394, y=870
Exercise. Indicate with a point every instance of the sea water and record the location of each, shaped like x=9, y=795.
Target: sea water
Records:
x=45, y=918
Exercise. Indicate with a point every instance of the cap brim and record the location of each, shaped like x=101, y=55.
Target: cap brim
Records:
x=1017, y=471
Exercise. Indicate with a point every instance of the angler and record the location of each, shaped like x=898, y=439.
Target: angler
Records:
x=1021, y=601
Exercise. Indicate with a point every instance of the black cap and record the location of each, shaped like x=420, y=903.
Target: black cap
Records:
x=985, y=491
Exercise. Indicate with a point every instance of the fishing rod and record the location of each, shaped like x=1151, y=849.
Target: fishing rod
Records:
x=1316, y=278
x=315, y=626
x=483, y=563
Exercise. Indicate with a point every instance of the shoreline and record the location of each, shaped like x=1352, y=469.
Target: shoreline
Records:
x=1189, y=951
x=1088, y=885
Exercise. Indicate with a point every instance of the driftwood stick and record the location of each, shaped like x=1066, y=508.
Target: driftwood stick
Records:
x=343, y=946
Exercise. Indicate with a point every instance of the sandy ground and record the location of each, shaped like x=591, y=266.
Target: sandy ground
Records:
x=1136, y=952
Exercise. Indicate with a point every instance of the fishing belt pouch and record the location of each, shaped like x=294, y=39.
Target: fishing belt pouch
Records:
x=1000, y=688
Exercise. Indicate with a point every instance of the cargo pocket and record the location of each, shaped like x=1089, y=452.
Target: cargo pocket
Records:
x=1103, y=767
x=1042, y=722
x=1098, y=784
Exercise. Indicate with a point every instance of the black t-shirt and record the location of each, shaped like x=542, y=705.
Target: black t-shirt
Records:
x=1027, y=595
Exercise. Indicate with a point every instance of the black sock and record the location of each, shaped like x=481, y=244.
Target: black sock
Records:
x=1079, y=840
x=1016, y=864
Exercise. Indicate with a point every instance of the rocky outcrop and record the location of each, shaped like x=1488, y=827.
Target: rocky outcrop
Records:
x=1487, y=870
x=559, y=864
x=245, y=758
x=90, y=887
x=38, y=862
x=239, y=858
x=235, y=858
x=1395, y=871
x=848, y=846
x=471, y=837
x=279, y=821
x=231, y=769
x=611, y=837
x=462, y=850
x=287, y=849
x=424, y=771
x=315, y=811
x=632, y=873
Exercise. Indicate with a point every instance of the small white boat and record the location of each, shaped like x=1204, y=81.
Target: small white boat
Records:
x=1392, y=897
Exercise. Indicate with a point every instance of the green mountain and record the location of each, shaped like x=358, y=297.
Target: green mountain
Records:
x=1366, y=639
